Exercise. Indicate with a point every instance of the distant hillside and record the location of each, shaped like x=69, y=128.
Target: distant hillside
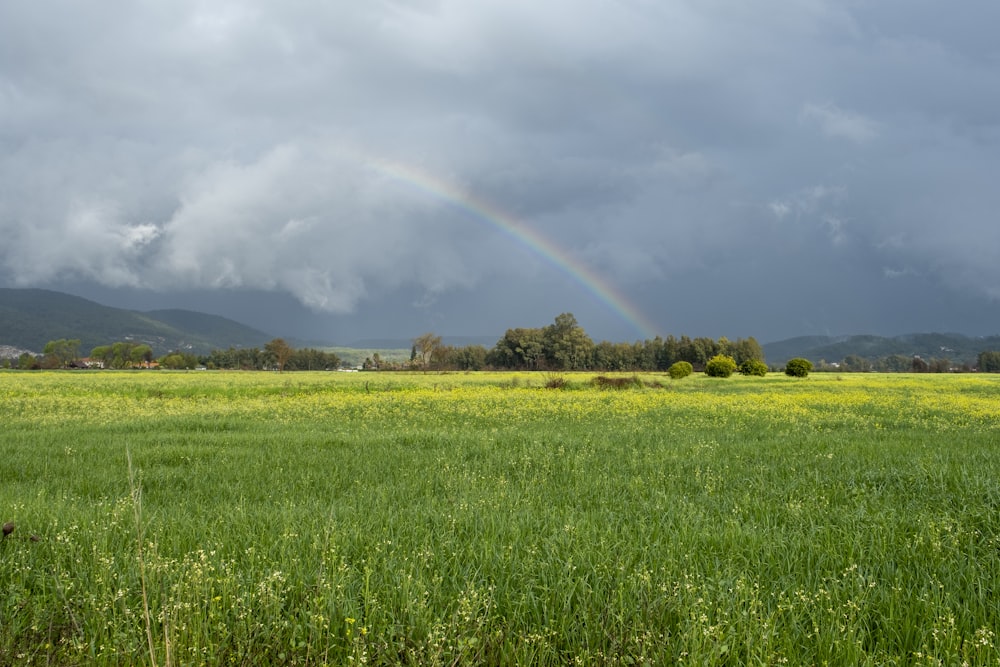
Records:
x=954, y=347
x=29, y=318
x=406, y=343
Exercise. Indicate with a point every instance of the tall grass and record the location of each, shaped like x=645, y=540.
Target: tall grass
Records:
x=485, y=519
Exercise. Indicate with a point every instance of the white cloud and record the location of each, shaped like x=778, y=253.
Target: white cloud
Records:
x=840, y=124
x=893, y=274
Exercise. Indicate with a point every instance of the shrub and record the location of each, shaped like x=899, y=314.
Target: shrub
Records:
x=753, y=367
x=556, y=382
x=615, y=383
x=798, y=367
x=680, y=369
x=720, y=366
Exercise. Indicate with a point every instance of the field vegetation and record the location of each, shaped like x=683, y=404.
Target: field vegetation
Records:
x=229, y=518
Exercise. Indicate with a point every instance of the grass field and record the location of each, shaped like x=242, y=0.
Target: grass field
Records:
x=454, y=519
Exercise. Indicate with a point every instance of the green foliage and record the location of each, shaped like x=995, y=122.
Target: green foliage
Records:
x=720, y=366
x=28, y=362
x=277, y=353
x=680, y=369
x=178, y=361
x=798, y=367
x=567, y=345
x=753, y=367
x=854, y=363
x=62, y=352
x=988, y=362
x=311, y=359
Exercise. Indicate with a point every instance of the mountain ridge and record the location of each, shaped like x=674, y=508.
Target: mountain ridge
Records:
x=957, y=348
x=30, y=317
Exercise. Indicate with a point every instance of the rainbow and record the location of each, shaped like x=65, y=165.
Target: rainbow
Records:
x=544, y=248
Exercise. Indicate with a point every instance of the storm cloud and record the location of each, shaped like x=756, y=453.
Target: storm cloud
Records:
x=712, y=162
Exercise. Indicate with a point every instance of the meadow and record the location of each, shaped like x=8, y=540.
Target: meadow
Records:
x=457, y=519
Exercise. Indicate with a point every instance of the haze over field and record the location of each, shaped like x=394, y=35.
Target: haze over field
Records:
x=380, y=169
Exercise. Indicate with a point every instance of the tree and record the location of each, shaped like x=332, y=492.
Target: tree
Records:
x=311, y=359
x=753, y=367
x=28, y=362
x=854, y=363
x=703, y=349
x=141, y=354
x=519, y=348
x=62, y=352
x=894, y=363
x=988, y=362
x=119, y=355
x=616, y=356
x=424, y=345
x=680, y=369
x=940, y=365
x=747, y=349
x=567, y=345
x=279, y=351
x=798, y=367
x=172, y=361
x=720, y=366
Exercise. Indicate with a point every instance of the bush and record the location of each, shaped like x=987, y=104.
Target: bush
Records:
x=798, y=367
x=615, y=383
x=720, y=366
x=753, y=367
x=680, y=369
x=556, y=382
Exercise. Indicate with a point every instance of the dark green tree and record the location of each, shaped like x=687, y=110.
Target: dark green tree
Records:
x=567, y=345
x=939, y=365
x=28, y=362
x=519, y=348
x=854, y=363
x=747, y=349
x=988, y=362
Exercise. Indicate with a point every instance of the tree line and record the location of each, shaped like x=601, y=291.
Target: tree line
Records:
x=560, y=346
x=275, y=355
x=986, y=362
x=565, y=346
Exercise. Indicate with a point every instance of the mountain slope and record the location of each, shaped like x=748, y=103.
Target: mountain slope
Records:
x=955, y=347
x=29, y=318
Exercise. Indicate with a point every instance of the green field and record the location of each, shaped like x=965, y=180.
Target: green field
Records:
x=455, y=519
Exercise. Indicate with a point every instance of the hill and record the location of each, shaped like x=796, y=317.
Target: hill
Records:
x=29, y=318
x=405, y=343
x=957, y=348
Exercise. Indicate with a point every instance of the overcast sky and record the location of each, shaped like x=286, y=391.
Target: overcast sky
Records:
x=725, y=167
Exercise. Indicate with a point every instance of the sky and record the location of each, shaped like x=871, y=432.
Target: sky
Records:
x=344, y=170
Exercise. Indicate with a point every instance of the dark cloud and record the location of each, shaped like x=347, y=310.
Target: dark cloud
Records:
x=710, y=162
